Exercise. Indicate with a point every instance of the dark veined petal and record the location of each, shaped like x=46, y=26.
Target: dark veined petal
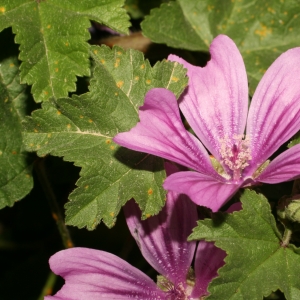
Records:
x=215, y=102
x=163, y=238
x=161, y=132
x=274, y=114
x=202, y=189
x=284, y=167
x=208, y=260
x=92, y=274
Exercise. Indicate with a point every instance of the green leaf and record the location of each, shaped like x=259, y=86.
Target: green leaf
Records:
x=295, y=140
x=139, y=8
x=261, y=30
x=81, y=130
x=15, y=172
x=53, y=37
x=256, y=262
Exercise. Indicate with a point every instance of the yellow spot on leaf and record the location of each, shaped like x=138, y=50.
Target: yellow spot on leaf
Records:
x=49, y=135
x=90, y=121
x=290, y=29
x=119, y=53
x=136, y=78
x=120, y=83
x=147, y=216
x=58, y=112
x=31, y=144
x=142, y=66
x=112, y=214
x=150, y=191
x=81, y=117
x=95, y=51
x=2, y=9
x=49, y=26
x=1, y=152
x=14, y=152
x=148, y=81
x=11, y=65
x=46, y=93
x=38, y=146
x=86, y=187
x=175, y=78
x=263, y=32
x=6, y=99
x=271, y=10
x=112, y=147
x=117, y=62
x=285, y=13
x=108, y=142
x=67, y=44
x=56, y=62
x=102, y=61
x=69, y=126
x=27, y=176
x=56, y=69
x=35, y=130
x=116, y=94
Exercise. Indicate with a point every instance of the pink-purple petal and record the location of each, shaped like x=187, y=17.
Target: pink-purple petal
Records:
x=216, y=100
x=161, y=132
x=284, y=167
x=91, y=274
x=208, y=260
x=163, y=238
x=274, y=114
x=202, y=189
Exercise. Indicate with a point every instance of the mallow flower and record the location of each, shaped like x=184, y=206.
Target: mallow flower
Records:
x=233, y=145
x=92, y=274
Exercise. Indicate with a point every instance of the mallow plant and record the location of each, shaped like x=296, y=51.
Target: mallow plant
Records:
x=197, y=142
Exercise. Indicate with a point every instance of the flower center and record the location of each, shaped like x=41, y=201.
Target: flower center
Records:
x=177, y=292
x=235, y=154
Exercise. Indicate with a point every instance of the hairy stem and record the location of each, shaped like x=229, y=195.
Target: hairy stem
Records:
x=55, y=209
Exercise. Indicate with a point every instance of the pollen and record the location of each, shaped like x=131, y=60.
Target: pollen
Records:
x=235, y=154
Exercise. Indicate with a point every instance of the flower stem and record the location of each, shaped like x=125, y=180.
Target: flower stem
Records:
x=55, y=209
x=48, y=287
x=286, y=237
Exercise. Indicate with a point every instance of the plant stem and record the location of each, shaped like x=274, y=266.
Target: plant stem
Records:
x=286, y=237
x=55, y=209
x=48, y=287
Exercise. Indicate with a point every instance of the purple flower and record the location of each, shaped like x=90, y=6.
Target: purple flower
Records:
x=92, y=274
x=215, y=104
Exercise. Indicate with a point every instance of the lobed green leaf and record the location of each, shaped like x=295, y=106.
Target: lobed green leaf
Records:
x=15, y=173
x=257, y=263
x=53, y=36
x=261, y=30
x=81, y=129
